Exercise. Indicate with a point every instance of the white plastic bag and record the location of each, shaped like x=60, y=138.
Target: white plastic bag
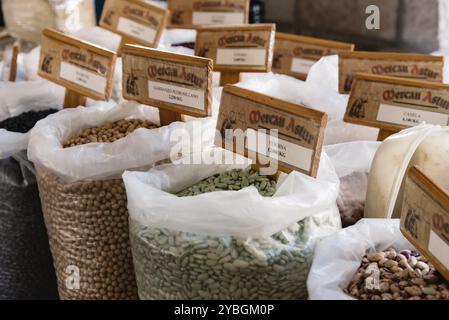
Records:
x=251, y=233
x=20, y=97
x=338, y=256
x=352, y=162
x=101, y=160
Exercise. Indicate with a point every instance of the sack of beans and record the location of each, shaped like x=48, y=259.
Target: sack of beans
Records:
x=225, y=232
x=352, y=162
x=373, y=261
x=80, y=155
x=26, y=268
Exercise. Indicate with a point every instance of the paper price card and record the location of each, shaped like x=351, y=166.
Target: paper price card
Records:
x=291, y=135
x=403, y=65
x=245, y=48
x=394, y=104
x=79, y=66
x=294, y=55
x=136, y=21
x=190, y=13
x=175, y=82
x=425, y=218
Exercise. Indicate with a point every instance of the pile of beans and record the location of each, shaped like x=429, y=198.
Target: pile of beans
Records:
x=87, y=224
x=24, y=122
x=177, y=265
x=394, y=275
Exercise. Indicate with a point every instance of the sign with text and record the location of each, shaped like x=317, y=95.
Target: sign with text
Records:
x=403, y=65
x=294, y=55
x=394, y=104
x=136, y=21
x=79, y=66
x=170, y=81
x=425, y=218
x=245, y=48
x=188, y=13
x=299, y=130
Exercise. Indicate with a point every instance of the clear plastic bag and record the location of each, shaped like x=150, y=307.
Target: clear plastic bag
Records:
x=352, y=162
x=26, y=270
x=338, y=256
x=83, y=197
x=227, y=244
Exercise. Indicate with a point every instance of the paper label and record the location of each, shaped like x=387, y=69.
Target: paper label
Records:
x=136, y=30
x=137, y=22
x=439, y=248
x=425, y=218
x=282, y=150
x=429, y=70
x=79, y=66
x=176, y=94
x=287, y=133
x=410, y=117
x=170, y=81
x=218, y=17
x=301, y=65
x=391, y=104
x=82, y=77
x=239, y=57
x=208, y=12
x=242, y=48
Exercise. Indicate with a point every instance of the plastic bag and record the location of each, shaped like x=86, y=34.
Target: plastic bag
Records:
x=227, y=244
x=25, y=19
x=315, y=95
x=83, y=197
x=424, y=145
x=338, y=256
x=352, y=162
x=26, y=270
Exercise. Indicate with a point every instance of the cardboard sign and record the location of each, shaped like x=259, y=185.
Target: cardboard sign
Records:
x=79, y=66
x=294, y=55
x=425, y=219
x=412, y=66
x=245, y=48
x=190, y=13
x=170, y=81
x=300, y=130
x=136, y=21
x=394, y=104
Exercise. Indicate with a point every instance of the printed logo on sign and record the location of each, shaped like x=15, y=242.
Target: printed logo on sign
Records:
x=87, y=60
x=140, y=13
x=441, y=225
x=46, y=64
x=72, y=282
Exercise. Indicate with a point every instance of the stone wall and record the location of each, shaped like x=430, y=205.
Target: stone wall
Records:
x=405, y=25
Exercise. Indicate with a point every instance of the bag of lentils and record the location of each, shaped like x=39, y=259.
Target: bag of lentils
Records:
x=26, y=268
x=225, y=232
x=80, y=155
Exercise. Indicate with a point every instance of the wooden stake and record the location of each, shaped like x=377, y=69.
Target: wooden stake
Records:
x=384, y=134
x=229, y=77
x=13, y=69
x=73, y=99
x=166, y=117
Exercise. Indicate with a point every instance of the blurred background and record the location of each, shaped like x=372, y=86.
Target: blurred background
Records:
x=406, y=25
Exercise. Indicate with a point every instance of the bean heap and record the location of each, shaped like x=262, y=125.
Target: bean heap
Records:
x=87, y=224
x=232, y=180
x=109, y=132
x=179, y=265
x=393, y=275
